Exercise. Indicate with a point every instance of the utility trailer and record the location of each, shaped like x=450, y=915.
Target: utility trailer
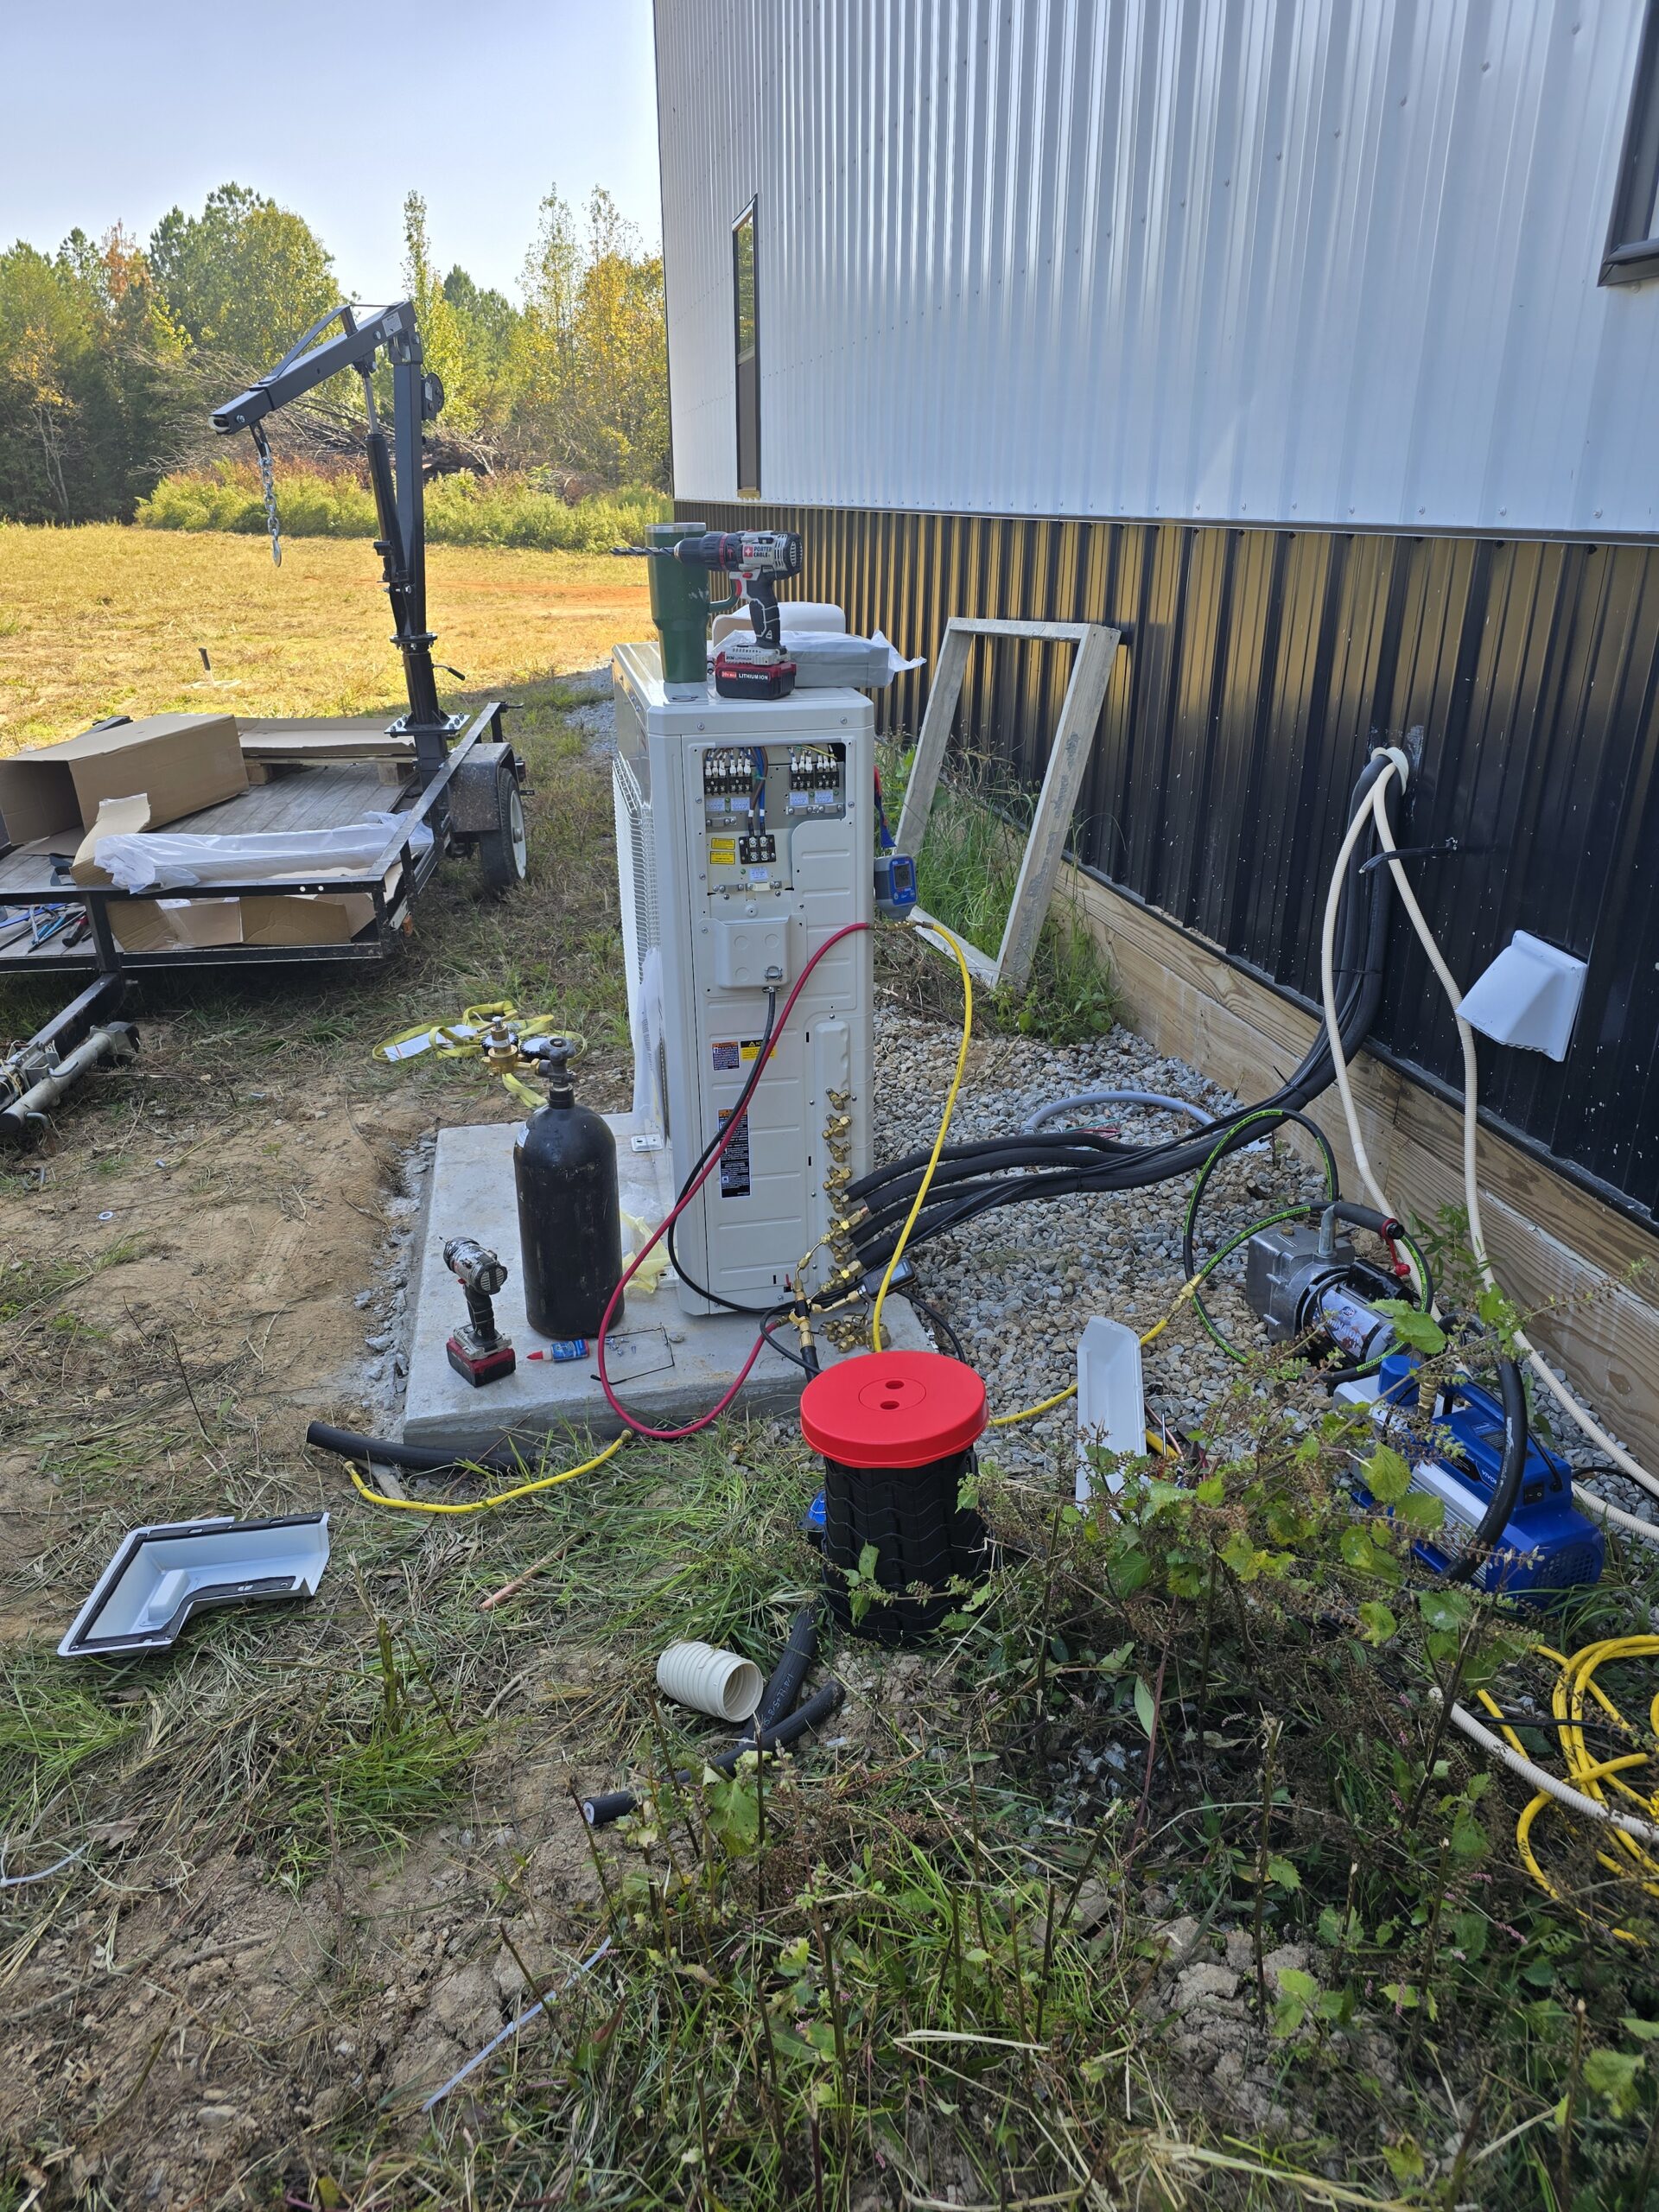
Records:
x=462, y=779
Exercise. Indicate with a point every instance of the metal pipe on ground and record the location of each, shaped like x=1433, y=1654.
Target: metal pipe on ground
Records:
x=25, y=1116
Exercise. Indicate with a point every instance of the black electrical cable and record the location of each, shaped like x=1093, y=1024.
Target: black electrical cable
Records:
x=940, y=1326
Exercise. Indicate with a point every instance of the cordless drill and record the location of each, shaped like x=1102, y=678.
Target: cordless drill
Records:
x=479, y=1350
x=758, y=558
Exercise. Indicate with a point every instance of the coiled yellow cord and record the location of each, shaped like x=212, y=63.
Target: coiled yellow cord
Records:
x=1585, y=1770
x=482, y=1504
x=936, y=929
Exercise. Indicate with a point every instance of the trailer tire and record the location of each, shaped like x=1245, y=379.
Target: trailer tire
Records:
x=503, y=850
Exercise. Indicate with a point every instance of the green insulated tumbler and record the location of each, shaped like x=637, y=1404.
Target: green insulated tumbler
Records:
x=680, y=607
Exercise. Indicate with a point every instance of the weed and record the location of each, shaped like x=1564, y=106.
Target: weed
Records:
x=966, y=873
x=55, y=1723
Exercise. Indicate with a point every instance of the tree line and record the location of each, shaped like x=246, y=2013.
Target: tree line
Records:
x=112, y=353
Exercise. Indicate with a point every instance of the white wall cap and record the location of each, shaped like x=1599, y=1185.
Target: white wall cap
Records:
x=1528, y=997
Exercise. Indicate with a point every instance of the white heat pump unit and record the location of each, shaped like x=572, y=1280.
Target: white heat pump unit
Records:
x=745, y=838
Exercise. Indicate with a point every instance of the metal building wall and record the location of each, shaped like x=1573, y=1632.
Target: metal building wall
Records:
x=1259, y=668
x=1310, y=262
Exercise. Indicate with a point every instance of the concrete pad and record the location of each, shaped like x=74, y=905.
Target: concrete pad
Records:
x=668, y=1365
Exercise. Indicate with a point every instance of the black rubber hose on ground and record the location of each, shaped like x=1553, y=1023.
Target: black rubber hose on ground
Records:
x=612, y=1804
x=790, y=1673
x=414, y=1459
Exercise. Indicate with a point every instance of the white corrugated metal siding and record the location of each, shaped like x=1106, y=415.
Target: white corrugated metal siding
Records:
x=1325, y=262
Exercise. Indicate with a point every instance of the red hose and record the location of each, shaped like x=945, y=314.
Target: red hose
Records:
x=672, y=1435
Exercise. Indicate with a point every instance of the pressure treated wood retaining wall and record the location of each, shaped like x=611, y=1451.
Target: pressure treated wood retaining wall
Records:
x=1586, y=1276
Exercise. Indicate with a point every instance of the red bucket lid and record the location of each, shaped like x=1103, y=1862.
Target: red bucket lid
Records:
x=893, y=1409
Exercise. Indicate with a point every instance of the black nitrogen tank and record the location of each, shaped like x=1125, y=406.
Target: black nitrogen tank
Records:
x=570, y=1215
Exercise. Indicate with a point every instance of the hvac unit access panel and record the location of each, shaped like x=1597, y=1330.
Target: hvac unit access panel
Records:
x=772, y=852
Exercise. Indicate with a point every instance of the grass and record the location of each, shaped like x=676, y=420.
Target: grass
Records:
x=926, y=1963
x=113, y=620
x=966, y=873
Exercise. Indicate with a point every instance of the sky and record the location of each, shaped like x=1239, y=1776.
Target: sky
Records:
x=116, y=112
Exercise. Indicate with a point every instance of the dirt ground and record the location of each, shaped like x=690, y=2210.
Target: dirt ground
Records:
x=188, y=1268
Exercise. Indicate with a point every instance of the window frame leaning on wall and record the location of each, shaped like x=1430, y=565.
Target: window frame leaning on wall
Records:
x=746, y=388
x=1631, y=254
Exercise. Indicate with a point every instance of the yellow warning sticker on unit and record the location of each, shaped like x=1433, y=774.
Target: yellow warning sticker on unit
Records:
x=723, y=852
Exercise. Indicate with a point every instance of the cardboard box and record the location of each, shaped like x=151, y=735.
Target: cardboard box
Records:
x=179, y=762
x=167, y=925
x=162, y=924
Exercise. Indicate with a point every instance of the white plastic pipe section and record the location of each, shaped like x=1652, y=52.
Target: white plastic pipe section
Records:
x=720, y=1683
x=1377, y=812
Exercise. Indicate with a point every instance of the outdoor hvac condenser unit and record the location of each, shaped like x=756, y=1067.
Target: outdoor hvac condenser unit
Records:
x=745, y=838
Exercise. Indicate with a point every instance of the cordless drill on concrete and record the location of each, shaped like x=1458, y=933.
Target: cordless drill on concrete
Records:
x=757, y=558
x=479, y=1350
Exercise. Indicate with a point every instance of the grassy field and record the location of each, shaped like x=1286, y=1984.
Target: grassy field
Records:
x=1156, y=1881
x=105, y=620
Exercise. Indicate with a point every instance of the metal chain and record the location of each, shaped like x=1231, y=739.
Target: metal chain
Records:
x=268, y=485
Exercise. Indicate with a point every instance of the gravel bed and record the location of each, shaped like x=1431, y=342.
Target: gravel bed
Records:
x=1019, y=1284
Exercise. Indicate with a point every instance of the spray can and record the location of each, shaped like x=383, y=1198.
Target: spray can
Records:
x=681, y=607
x=570, y=1213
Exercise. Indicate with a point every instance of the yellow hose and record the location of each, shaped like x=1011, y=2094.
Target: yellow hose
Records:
x=1585, y=1770
x=482, y=1504
x=1029, y=1413
x=937, y=930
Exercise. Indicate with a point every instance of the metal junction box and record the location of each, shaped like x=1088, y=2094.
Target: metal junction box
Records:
x=745, y=839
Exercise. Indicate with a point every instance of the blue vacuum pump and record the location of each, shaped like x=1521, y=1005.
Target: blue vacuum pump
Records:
x=1546, y=1545
x=1311, y=1290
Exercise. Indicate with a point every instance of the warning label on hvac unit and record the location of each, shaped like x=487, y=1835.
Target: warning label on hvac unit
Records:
x=728, y=1053
x=735, y=1160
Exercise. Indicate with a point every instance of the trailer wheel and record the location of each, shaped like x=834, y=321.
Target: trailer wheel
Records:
x=503, y=848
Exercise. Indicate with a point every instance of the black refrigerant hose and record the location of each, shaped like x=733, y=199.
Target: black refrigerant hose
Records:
x=601, y=1811
x=1076, y=1160
x=1512, y=1396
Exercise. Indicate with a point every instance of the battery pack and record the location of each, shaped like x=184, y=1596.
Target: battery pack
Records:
x=738, y=676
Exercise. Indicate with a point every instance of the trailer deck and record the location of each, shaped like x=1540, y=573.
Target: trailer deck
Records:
x=325, y=796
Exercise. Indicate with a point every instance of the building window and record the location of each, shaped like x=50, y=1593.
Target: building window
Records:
x=1633, y=252
x=746, y=327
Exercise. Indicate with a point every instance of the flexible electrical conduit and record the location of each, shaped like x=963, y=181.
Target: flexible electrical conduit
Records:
x=1084, y=1099
x=1377, y=808
x=1550, y=1784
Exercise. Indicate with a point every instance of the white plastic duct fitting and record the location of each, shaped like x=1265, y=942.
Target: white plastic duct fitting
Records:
x=717, y=1682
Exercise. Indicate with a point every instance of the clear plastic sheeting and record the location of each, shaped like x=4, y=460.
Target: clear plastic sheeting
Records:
x=167, y=861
